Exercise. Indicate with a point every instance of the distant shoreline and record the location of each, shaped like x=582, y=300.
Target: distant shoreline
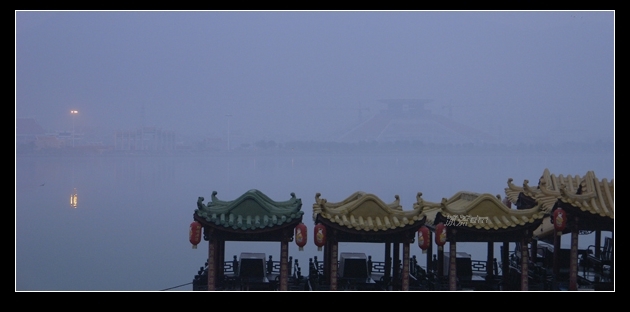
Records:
x=333, y=148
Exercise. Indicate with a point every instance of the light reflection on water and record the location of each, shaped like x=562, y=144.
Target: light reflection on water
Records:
x=74, y=198
x=130, y=230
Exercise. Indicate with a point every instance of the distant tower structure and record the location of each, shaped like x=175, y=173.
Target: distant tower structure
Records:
x=409, y=120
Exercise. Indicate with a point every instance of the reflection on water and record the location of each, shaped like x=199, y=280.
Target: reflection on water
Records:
x=74, y=198
x=131, y=232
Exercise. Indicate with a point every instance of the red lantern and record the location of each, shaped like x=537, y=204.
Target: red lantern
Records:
x=559, y=220
x=440, y=234
x=320, y=236
x=423, y=238
x=300, y=235
x=194, y=235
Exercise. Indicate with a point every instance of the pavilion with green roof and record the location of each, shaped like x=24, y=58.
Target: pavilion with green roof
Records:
x=251, y=217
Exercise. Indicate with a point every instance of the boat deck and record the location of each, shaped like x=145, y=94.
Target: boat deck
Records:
x=421, y=279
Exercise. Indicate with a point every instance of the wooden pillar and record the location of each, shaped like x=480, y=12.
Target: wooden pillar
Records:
x=557, y=236
x=452, y=266
x=388, y=262
x=573, y=267
x=284, y=265
x=212, y=267
x=220, y=260
x=327, y=258
x=405, y=267
x=505, y=264
x=598, y=243
x=440, y=262
x=489, y=262
x=333, y=265
x=396, y=266
x=524, y=262
x=429, y=252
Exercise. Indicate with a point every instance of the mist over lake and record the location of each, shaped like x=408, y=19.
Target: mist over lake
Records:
x=129, y=229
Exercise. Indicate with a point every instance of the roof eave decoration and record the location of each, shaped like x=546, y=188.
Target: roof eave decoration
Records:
x=429, y=209
x=596, y=197
x=512, y=191
x=529, y=191
x=548, y=190
x=484, y=212
x=586, y=193
x=547, y=197
x=366, y=212
x=252, y=210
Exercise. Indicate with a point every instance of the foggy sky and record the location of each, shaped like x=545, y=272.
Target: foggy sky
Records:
x=305, y=75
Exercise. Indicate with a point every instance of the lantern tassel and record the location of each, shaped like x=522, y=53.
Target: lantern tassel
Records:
x=301, y=248
x=319, y=248
x=194, y=246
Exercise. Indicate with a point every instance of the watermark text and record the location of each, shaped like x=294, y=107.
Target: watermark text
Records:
x=464, y=220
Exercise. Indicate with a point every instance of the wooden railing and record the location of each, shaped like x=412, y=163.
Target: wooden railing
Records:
x=419, y=275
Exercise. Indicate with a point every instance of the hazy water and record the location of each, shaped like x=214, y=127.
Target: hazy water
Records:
x=129, y=231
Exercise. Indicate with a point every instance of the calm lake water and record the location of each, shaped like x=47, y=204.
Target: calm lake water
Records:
x=129, y=229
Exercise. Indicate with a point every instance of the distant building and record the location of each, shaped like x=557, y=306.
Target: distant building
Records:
x=408, y=120
x=145, y=139
x=27, y=130
x=49, y=142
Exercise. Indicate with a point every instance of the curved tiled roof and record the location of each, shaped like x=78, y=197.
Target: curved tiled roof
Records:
x=587, y=193
x=548, y=190
x=550, y=185
x=366, y=212
x=512, y=191
x=480, y=211
x=252, y=210
x=595, y=196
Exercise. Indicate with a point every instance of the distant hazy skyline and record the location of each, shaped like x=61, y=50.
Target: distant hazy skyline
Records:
x=286, y=75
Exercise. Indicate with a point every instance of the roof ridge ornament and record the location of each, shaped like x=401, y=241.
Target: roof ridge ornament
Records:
x=527, y=189
x=200, y=205
x=513, y=186
x=396, y=204
x=419, y=204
